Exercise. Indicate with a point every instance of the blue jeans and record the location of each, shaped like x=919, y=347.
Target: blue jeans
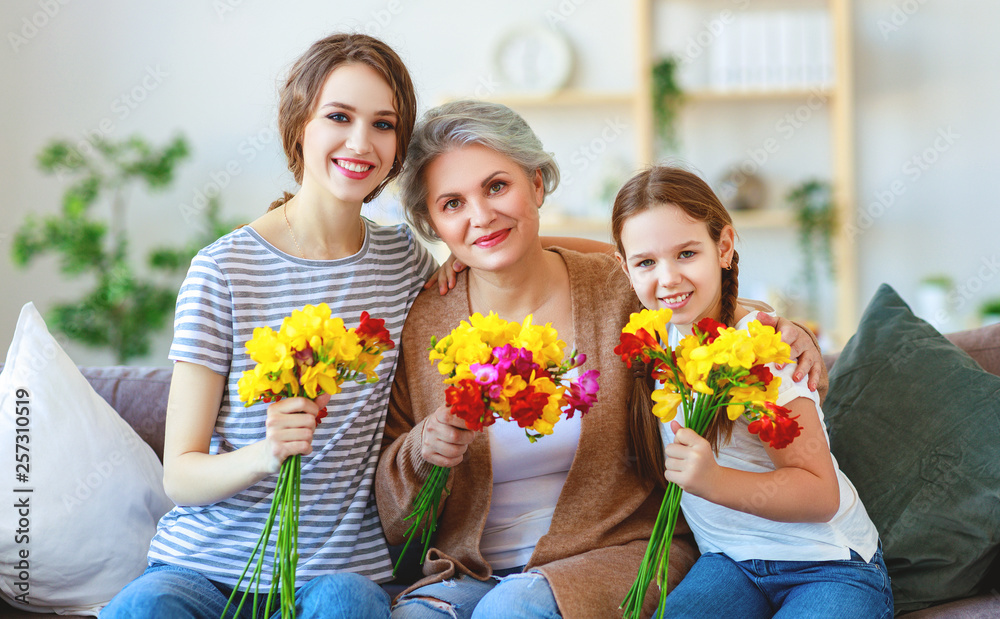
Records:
x=717, y=586
x=175, y=592
x=517, y=596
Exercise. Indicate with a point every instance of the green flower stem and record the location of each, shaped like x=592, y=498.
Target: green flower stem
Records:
x=697, y=415
x=285, y=508
x=425, y=512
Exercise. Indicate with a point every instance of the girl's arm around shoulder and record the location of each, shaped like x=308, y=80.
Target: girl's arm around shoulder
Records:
x=192, y=476
x=803, y=487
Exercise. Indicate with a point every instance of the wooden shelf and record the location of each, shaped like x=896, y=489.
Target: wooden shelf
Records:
x=777, y=94
x=742, y=220
x=559, y=98
x=763, y=218
x=838, y=105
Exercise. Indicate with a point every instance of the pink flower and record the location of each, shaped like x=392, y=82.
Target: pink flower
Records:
x=485, y=373
x=582, y=393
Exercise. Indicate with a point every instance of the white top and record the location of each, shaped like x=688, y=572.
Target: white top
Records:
x=241, y=282
x=743, y=536
x=527, y=481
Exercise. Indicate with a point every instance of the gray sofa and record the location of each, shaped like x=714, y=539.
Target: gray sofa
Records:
x=140, y=397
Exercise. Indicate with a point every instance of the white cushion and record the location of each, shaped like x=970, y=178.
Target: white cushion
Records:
x=87, y=491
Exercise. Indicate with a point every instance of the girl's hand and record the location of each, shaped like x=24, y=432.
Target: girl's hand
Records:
x=444, y=277
x=445, y=438
x=805, y=352
x=289, y=429
x=690, y=462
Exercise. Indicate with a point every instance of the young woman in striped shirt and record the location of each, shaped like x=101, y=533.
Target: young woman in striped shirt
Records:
x=346, y=114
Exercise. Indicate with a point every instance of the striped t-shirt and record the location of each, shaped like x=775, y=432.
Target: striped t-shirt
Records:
x=241, y=282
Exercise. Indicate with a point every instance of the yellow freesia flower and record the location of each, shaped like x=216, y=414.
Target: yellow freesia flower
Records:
x=542, y=340
x=303, y=324
x=767, y=344
x=666, y=403
x=653, y=322
x=734, y=348
x=319, y=376
x=699, y=362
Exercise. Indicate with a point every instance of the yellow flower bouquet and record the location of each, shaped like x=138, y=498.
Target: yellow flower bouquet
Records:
x=497, y=369
x=312, y=354
x=714, y=368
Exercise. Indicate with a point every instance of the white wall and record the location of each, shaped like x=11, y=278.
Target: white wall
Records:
x=209, y=70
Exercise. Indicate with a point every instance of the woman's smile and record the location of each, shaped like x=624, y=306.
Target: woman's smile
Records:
x=493, y=239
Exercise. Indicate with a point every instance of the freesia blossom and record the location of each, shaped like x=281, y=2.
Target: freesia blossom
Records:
x=311, y=354
x=496, y=370
x=715, y=368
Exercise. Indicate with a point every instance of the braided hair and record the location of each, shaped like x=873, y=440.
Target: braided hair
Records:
x=674, y=186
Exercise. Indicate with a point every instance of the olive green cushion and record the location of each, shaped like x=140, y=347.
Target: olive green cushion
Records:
x=915, y=424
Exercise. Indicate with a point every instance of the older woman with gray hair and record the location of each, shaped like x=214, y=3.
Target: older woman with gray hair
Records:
x=552, y=529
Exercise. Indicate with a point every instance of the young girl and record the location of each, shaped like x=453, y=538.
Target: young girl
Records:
x=782, y=531
x=346, y=114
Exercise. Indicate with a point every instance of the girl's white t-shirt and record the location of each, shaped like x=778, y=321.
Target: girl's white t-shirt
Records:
x=743, y=536
x=527, y=481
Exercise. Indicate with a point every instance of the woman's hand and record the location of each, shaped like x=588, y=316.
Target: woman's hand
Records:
x=444, y=277
x=289, y=429
x=445, y=438
x=805, y=352
x=690, y=462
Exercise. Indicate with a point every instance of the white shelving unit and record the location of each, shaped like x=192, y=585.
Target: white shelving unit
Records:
x=831, y=154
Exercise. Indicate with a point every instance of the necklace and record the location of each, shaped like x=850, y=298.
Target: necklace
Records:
x=302, y=254
x=284, y=211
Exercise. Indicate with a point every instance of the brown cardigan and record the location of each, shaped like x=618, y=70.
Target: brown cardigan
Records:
x=605, y=514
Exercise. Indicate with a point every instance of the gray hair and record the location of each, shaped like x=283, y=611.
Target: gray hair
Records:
x=461, y=123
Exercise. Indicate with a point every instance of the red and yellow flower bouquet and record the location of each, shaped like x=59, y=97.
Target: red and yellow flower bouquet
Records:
x=497, y=369
x=714, y=368
x=312, y=354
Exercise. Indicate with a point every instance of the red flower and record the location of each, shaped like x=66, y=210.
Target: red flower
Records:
x=373, y=331
x=635, y=346
x=763, y=373
x=467, y=403
x=526, y=406
x=779, y=430
x=709, y=328
x=663, y=371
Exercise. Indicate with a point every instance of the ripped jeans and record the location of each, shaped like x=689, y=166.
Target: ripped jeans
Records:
x=517, y=596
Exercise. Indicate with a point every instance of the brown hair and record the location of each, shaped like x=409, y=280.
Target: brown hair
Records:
x=653, y=187
x=299, y=93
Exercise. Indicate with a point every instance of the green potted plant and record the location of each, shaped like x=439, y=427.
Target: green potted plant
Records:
x=932, y=300
x=816, y=221
x=123, y=307
x=667, y=100
x=989, y=311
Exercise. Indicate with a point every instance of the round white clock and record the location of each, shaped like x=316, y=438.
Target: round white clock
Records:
x=534, y=59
